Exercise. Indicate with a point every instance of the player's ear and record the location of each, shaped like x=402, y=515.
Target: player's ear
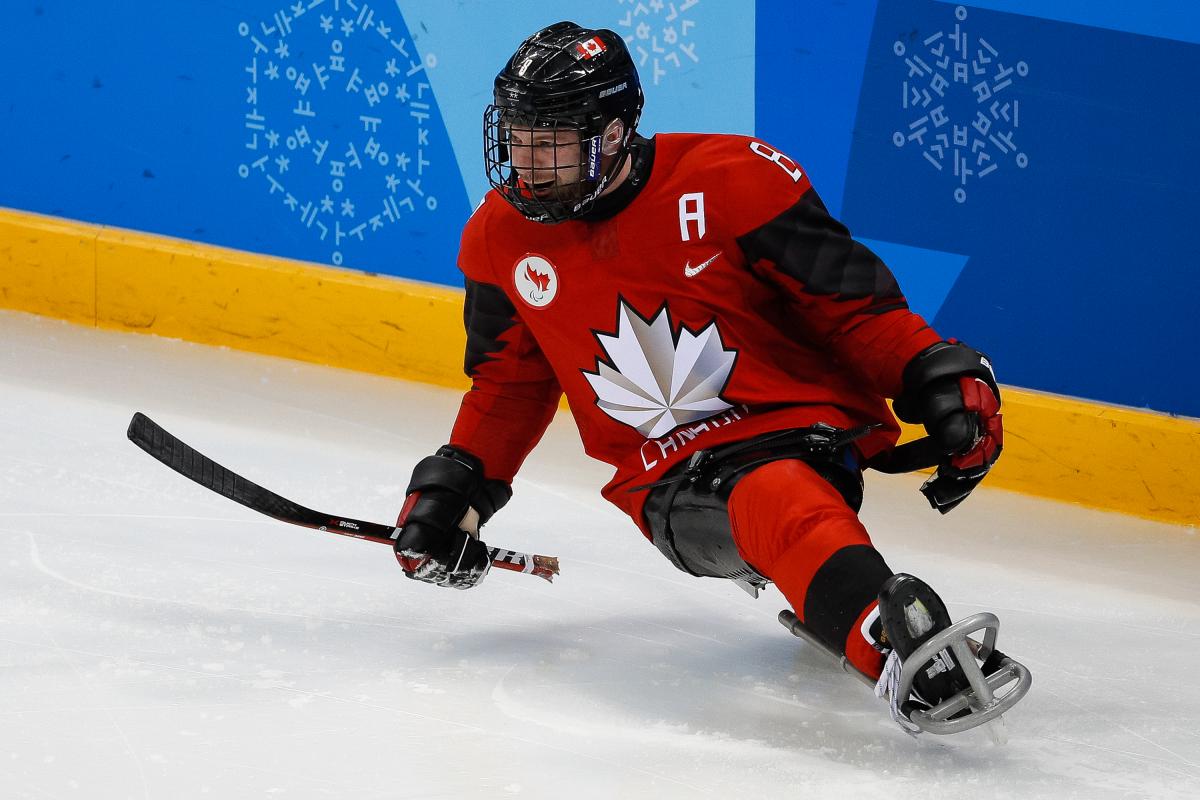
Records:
x=614, y=134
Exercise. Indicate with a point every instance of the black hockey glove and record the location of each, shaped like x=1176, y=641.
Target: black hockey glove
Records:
x=951, y=390
x=448, y=498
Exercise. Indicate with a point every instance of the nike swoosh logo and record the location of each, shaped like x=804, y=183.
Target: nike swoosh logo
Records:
x=691, y=272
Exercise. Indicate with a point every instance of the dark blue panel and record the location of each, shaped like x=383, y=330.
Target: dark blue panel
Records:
x=1169, y=19
x=1082, y=276
x=808, y=70
x=137, y=117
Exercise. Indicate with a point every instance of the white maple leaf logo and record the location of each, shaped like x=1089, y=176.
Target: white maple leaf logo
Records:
x=655, y=383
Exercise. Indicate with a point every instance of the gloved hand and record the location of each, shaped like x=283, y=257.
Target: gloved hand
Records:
x=448, y=499
x=950, y=389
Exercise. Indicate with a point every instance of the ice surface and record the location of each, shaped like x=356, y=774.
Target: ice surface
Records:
x=157, y=640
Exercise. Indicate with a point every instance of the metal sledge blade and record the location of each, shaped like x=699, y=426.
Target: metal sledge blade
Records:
x=788, y=619
x=984, y=700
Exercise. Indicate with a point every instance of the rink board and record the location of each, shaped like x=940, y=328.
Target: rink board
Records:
x=1095, y=454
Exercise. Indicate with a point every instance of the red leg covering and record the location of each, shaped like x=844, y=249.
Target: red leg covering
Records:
x=793, y=527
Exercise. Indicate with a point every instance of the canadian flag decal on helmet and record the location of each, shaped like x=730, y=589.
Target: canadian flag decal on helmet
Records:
x=591, y=48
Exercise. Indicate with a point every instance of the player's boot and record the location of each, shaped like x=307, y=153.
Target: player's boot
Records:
x=910, y=615
x=910, y=612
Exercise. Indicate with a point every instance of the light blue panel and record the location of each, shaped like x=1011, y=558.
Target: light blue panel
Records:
x=696, y=61
x=925, y=276
x=1166, y=19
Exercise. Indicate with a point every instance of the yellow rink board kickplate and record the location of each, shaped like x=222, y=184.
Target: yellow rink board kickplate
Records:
x=1098, y=455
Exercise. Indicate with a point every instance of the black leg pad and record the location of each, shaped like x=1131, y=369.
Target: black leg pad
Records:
x=841, y=588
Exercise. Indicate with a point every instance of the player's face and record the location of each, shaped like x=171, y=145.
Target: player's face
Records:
x=547, y=161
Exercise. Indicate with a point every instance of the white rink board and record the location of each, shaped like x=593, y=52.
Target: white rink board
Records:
x=157, y=640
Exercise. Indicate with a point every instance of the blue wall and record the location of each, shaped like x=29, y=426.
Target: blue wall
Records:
x=1029, y=168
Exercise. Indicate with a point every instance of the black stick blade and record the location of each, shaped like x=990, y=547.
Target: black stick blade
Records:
x=193, y=465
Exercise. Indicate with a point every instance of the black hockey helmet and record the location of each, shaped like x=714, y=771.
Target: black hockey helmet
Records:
x=563, y=78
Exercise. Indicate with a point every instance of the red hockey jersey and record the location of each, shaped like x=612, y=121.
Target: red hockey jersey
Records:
x=721, y=303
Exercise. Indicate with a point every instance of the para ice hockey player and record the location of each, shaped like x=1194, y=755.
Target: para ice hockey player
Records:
x=727, y=347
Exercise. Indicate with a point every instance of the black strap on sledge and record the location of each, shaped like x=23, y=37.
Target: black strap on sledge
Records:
x=714, y=467
x=717, y=465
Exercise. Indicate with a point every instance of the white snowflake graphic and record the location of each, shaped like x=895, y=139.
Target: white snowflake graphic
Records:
x=659, y=33
x=655, y=383
x=955, y=91
x=336, y=121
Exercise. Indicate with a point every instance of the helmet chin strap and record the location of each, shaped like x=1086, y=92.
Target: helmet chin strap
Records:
x=592, y=195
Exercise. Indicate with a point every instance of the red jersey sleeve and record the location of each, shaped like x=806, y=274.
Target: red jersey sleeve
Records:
x=843, y=294
x=514, y=392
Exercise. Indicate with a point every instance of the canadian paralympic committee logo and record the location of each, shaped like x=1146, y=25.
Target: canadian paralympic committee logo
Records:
x=658, y=33
x=962, y=115
x=337, y=106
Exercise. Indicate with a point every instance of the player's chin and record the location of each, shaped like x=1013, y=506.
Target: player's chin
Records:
x=576, y=188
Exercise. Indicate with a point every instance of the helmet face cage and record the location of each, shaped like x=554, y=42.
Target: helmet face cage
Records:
x=563, y=159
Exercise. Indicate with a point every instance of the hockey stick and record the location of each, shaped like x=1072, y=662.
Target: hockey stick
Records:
x=151, y=437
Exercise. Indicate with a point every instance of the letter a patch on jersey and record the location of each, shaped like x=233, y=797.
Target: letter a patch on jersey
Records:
x=656, y=380
x=691, y=214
